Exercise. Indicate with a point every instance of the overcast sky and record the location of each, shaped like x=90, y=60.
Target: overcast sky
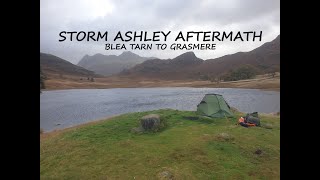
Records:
x=154, y=15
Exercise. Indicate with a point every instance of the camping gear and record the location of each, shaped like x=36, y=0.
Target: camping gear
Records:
x=241, y=119
x=253, y=118
x=244, y=123
x=214, y=105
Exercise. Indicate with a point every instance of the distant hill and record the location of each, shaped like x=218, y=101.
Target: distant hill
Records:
x=265, y=58
x=111, y=64
x=178, y=67
x=52, y=65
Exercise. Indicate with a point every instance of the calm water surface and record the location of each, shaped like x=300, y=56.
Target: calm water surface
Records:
x=66, y=108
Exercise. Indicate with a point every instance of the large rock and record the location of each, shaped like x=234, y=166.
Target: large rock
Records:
x=151, y=122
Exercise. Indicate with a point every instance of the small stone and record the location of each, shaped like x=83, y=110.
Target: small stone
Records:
x=166, y=175
x=137, y=130
x=224, y=137
x=268, y=126
x=258, y=151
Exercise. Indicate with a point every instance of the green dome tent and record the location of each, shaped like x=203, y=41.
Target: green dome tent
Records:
x=214, y=105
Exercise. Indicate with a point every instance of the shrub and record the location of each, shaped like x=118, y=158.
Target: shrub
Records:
x=242, y=72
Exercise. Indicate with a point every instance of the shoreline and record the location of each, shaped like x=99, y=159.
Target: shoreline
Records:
x=56, y=132
x=272, y=89
x=261, y=82
x=264, y=89
x=46, y=134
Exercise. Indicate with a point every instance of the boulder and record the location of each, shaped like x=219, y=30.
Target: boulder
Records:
x=151, y=122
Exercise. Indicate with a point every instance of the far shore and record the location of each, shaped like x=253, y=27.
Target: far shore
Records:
x=262, y=82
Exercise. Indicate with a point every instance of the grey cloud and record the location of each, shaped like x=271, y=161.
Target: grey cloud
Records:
x=149, y=15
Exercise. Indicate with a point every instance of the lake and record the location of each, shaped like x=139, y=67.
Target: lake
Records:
x=65, y=108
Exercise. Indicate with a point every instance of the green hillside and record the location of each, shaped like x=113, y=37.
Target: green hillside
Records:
x=190, y=147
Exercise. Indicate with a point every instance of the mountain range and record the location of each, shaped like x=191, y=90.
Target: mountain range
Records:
x=265, y=58
x=53, y=66
x=111, y=64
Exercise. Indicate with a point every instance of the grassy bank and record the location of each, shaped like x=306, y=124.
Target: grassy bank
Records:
x=189, y=148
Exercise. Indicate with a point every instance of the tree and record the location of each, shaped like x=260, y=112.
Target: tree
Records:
x=218, y=79
x=242, y=72
x=212, y=79
x=204, y=77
